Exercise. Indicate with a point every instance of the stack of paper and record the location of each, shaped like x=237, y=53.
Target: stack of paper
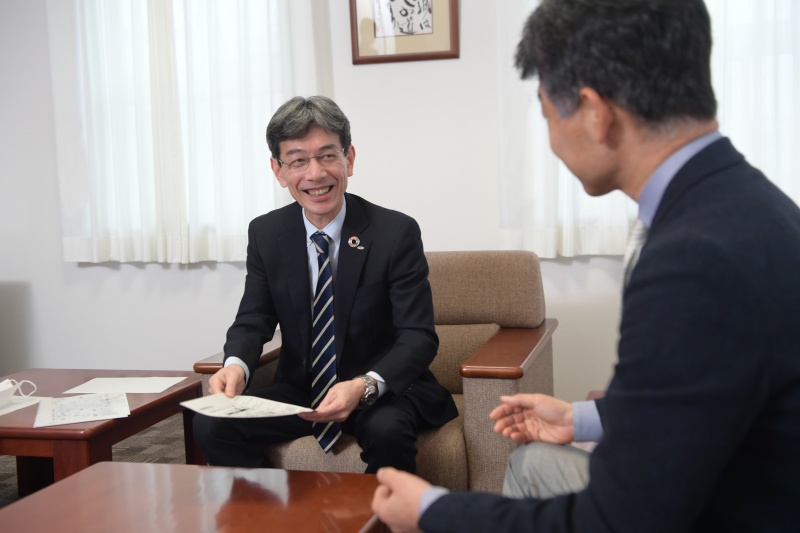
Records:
x=84, y=408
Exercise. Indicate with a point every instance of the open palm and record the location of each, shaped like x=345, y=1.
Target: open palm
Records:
x=534, y=417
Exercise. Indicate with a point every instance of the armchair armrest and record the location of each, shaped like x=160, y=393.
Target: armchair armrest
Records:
x=595, y=394
x=509, y=351
x=514, y=360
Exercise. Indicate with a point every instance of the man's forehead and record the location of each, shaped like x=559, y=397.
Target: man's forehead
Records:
x=328, y=140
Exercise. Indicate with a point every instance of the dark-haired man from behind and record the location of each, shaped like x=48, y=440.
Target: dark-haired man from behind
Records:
x=347, y=281
x=701, y=421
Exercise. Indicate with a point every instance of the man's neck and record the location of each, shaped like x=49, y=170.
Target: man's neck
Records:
x=649, y=148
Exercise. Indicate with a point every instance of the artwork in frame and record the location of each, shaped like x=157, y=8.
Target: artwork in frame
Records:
x=384, y=31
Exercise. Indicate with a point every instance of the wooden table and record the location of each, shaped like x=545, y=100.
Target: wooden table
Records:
x=49, y=454
x=122, y=497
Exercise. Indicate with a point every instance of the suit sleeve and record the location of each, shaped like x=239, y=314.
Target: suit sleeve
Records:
x=415, y=342
x=256, y=318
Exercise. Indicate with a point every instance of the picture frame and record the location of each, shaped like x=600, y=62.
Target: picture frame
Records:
x=385, y=31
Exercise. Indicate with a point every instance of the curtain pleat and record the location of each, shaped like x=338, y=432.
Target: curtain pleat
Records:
x=161, y=108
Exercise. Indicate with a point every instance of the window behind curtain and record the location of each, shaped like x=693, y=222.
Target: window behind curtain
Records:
x=161, y=108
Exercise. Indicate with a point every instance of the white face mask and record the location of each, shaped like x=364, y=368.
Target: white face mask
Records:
x=9, y=386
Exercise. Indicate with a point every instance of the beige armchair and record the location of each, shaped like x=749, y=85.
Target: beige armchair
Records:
x=494, y=340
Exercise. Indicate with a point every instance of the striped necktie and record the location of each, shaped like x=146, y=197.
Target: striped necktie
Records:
x=323, y=347
x=636, y=239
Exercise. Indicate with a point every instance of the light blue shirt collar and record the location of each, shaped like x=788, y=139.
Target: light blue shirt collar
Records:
x=332, y=230
x=657, y=183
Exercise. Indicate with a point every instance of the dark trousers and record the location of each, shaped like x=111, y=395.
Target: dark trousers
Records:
x=386, y=432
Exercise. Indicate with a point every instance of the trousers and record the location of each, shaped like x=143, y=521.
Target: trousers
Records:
x=542, y=470
x=386, y=432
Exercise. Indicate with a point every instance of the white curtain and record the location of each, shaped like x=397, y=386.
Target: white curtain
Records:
x=756, y=75
x=756, y=70
x=161, y=108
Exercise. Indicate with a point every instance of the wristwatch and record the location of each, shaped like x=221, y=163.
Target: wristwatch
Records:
x=370, y=393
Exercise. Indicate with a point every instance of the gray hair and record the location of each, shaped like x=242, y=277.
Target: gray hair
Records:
x=296, y=117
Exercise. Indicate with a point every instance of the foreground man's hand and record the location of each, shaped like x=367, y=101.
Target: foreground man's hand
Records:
x=396, y=500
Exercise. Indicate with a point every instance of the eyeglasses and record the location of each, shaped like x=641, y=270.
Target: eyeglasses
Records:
x=325, y=159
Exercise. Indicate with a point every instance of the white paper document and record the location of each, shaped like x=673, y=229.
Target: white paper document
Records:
x=85, y=408
x=151, y=385
x=221, y=406
x=17, y=402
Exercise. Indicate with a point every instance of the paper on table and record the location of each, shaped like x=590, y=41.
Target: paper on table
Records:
x=85, y=408
x=221, y=406
x=18, y=402
x=151, y=385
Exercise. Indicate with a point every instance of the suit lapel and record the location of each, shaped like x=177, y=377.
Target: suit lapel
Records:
x=353, y=250
x=294, y=257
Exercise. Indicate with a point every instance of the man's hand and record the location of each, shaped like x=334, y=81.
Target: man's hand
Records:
x=534, y=417
x=229, y=379
x=338, y=403
x=396, y=500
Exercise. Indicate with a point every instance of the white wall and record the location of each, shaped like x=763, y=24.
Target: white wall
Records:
x=425, y=134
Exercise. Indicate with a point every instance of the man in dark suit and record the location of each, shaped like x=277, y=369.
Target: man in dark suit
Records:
x=376, y=383
x=701, y=421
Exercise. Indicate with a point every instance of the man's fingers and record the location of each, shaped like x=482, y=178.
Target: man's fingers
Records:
x=499, y=412
x=217, y=382
x=382, y=494
x=501, y=426
x=522, y=401
x=387, y=475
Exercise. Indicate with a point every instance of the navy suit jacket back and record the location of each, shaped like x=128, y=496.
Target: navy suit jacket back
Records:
x=702, y=417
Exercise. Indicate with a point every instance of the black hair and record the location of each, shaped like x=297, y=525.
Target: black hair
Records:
x=650, y=57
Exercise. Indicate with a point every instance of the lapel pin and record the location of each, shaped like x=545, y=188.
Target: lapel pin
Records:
x=354, y=242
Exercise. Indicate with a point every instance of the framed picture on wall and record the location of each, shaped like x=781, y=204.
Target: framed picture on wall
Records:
x=384, y=31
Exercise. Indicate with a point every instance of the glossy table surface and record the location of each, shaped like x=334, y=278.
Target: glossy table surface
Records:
x=52, y=383
x=122, y=497
x=52, y=453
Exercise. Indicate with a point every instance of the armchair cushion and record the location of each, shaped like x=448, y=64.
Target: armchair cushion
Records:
x=456, y=344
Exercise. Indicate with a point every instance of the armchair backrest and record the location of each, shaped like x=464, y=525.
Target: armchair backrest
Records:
x=474, y=294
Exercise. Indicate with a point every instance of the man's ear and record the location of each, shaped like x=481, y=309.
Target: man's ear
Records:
x=599, y=115
x=276, y=169
x=351, y=159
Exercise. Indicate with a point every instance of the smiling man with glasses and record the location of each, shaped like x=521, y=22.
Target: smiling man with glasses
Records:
x=347, y=281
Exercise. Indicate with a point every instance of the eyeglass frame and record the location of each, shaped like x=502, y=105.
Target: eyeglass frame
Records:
x=308, y=160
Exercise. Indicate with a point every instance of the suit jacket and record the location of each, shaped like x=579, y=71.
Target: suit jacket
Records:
x=383, y=309
x=702, y=417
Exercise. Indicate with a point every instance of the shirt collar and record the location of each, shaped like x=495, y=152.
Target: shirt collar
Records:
x=657, y=183
x=332, y=230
